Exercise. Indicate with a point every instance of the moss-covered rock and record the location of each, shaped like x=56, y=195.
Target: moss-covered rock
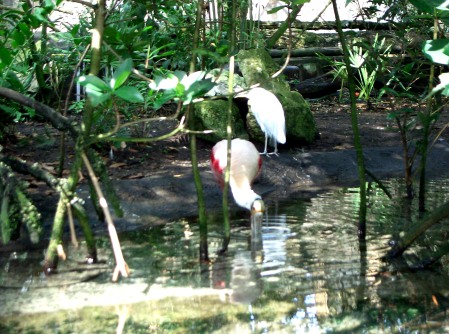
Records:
x=221, y=79
x=212, y=115
x=257, y=67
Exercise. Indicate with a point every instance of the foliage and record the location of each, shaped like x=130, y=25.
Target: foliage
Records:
x=180, y=86
x=369, y=60
x=99, y=91
x=16, y=208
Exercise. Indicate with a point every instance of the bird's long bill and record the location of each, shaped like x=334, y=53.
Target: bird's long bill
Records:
x=256, y=231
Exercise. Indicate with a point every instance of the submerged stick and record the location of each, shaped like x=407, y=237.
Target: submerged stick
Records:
x=121, y=266
x=417, y=230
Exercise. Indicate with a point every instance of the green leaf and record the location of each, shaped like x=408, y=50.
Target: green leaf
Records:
x=180, y=90
x=25, y=29
x=300, y=2
x=96, y=100
x=5, y=56
x=164, y=98
x=429, y=6
x=18, y=39
x=198, y=89
x=121, y=74
x=276, y=9
x=437, y=50
x=40, y=14
x=155, y=53
x=130, y=94
x=93, y=83
x=49, y=5
x=14, y=81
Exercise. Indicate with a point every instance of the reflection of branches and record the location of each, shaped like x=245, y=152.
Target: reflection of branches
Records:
x=417, y=230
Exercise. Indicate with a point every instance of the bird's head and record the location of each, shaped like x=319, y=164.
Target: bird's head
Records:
x=258, y=206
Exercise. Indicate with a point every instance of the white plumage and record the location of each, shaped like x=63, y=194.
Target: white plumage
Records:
x=245, y=166
x=269, y=114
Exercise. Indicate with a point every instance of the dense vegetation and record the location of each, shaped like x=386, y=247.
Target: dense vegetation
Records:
x=132, y=57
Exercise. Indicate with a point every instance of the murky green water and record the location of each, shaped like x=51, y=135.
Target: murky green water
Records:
x=305, y=272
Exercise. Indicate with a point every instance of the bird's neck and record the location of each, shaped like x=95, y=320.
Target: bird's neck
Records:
x=244, y=196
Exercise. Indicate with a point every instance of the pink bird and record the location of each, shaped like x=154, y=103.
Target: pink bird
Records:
x=245, y=167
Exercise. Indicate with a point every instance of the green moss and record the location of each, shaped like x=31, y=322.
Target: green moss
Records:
x=212, y=115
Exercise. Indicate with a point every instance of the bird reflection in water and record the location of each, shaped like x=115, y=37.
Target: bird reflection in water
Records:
x=265, y=256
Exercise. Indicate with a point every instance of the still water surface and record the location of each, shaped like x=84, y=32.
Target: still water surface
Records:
x=302, y=271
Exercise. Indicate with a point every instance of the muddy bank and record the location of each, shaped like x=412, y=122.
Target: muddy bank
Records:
x=170, y=194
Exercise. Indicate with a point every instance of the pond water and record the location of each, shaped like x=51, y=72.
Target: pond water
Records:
x=301, y=269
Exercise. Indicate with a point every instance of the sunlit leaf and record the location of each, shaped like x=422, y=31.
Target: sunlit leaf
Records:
x=163, y=83
x=129, y=93
x=437, y=50
x=93, y=83
x=443, y=86
x=121, y=74
x=187, y=81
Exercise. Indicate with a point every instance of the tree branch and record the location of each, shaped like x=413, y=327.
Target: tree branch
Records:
x=56, y=119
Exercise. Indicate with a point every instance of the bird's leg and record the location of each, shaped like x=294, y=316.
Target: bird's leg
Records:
x=275, y=152
x=266, y=145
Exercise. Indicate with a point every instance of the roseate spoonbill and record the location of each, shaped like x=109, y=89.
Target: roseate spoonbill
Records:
x=245, y=166
x=269, y=114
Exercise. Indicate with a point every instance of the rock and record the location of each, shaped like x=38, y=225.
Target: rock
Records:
x=212, y=115
x=257, y=67
x=222, y=80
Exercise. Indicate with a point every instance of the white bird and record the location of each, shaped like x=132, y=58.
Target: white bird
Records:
x=269, y=114
x=245, y=166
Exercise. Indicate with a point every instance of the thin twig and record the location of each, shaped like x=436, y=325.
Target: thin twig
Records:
x=181, y=127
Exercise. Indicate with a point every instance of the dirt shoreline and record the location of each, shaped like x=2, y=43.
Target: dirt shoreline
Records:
x=170, y=194
x=155, y=184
